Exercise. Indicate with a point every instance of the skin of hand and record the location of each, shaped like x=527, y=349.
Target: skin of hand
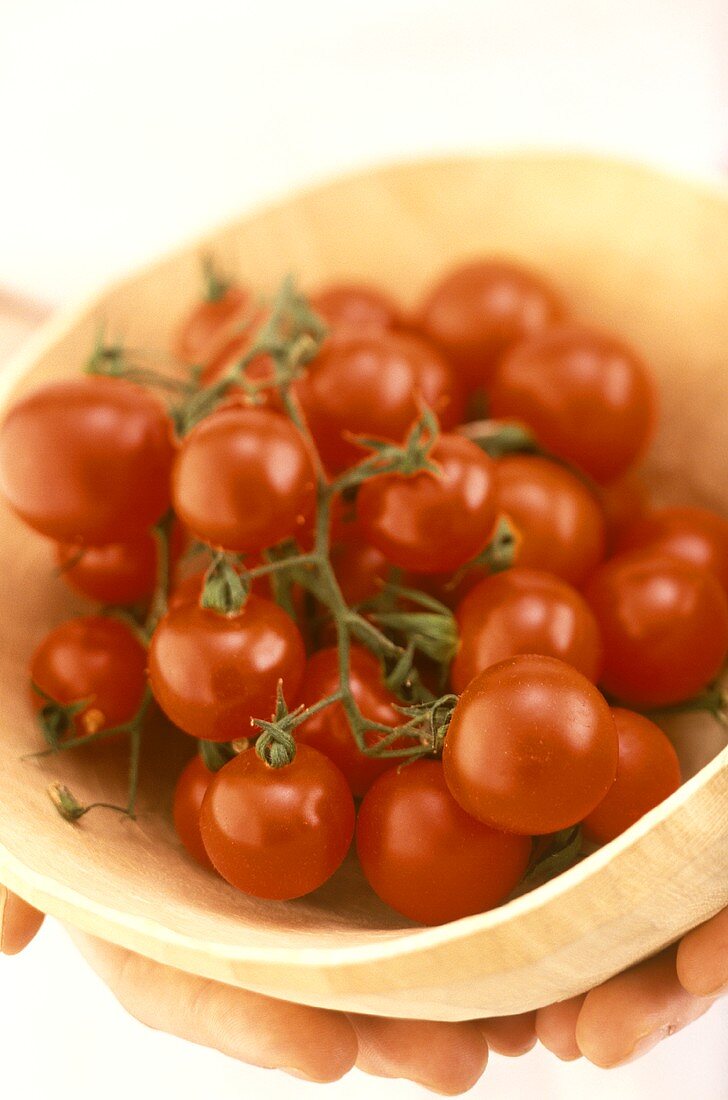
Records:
x=616, y=1022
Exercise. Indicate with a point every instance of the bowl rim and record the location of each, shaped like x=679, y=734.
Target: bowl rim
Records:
x=59, y=900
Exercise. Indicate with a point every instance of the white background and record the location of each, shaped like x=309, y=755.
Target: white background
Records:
x=124, y=128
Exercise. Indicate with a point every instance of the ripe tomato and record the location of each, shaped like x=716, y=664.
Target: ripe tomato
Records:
x=648, y=771
x=524, y=611
x=94, y=658
x=212, y=673
x=188, y=795
x=480, y=309
x=531, y=747
x=360, y=569
x=372, y=385
x=87, y=460
x=244, y=480
x=355, y=306
x=210, y=324
x=664, y=624
x=329, y=730
x=277, y=832
x=559, y=522
x=587, y=397
x=427, y=522
x=692, y=534
x=428, y=859
x=623, y=502
x=120, y=573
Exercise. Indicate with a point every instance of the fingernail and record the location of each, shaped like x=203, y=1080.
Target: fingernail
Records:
x=646, y=1043
x=296, y=1073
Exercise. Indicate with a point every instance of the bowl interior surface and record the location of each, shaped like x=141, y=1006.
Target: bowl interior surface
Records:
x=632, y=251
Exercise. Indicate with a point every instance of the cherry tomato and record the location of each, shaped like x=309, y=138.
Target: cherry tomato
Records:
x=480, y=309
x=212, y=673
x=664, y=624
x=587, y=397
x=648, y=771
x=360, y=569
x=259, y=369
x=188, y=795
x=524, y=611
x=329, y=730
x=427, y=522
x=244, y=480
x=355, y=306
x=428, y=859
x=372, y=385
x=120, y=573
x=623, y=502
x=531, y=747
x=210, y=324
x=559, y=522
x=94, y=658
x=277, y=832
x=87, y=460
x=692, y=534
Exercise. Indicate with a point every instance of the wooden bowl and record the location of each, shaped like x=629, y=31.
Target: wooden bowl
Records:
x=630, y=249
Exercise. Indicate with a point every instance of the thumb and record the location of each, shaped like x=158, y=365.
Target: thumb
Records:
x=19, y=923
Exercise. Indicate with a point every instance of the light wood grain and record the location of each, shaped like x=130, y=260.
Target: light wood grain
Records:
x=634, y=251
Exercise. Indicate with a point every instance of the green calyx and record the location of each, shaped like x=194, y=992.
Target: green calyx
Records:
x=224, y=590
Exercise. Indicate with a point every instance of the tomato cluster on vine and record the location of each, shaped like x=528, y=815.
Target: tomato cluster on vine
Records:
x=317, y=557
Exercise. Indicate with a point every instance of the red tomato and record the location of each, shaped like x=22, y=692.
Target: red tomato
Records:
x=87, y=460
x=428, y=859
x=260, y=369
x=94, y=658
x=360, y=569
x=244, y=480
x=329, y=730
x=692, y=534
x=427, y=522
x=120, y=573
x=587, y=397
x=524, y=611
x=531, y=747
x=623, y=502
x=648, y=771
x=277, y=832
x=664, y=624
x=480, y=309
x=210, y=324
x=188, y=795
x=559, y=522
x=372, y=385
x=212, y=673
x=355, y=306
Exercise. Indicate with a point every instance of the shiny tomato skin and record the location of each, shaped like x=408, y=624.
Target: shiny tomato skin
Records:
x=697, y=535
x=480, y=309
x=531, y=747
x=588, y=398
x=244, y=480
x=357, y=306
x=373, y=385
x=329, y=730
x=559, y=523
x=427, y=522
x=94, y=657
x=664, y=625
x=212, y=673
x=648, y=771
x=278, y=832
x=87, y=460
x=210, y=324
x=428, y=859
x=189, y=792
x=524, y=611
x=120, y=573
